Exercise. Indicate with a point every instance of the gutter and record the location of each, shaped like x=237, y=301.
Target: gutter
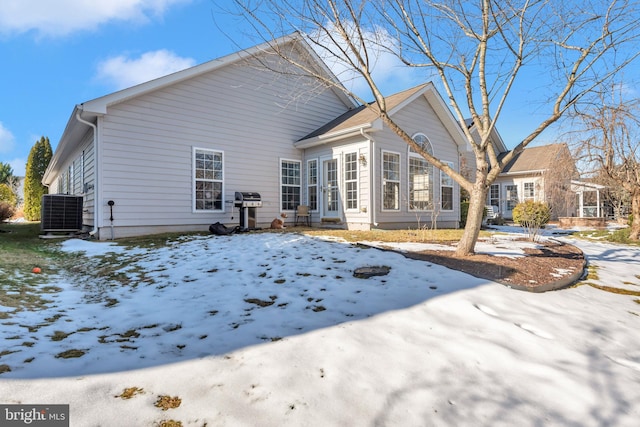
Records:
x=373, y=191
x=96, y=174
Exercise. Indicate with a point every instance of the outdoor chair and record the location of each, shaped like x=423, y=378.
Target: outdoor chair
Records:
x=303, y=215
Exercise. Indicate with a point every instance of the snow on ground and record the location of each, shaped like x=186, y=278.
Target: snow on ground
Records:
x=273, y=329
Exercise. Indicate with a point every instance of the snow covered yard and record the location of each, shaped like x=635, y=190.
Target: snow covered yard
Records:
x=274, y=329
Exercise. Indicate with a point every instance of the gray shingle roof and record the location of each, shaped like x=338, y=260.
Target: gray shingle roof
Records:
x=534, y=158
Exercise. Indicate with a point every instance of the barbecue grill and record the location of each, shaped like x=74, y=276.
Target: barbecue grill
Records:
x=247, y=202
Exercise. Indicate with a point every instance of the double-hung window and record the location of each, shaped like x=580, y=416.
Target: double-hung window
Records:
x=529, y=191
x=312, y=184
x=351, y=179
x=290, y=184
x=420, y=176
x=390, y=181
x=207, y=180
x=446, y=190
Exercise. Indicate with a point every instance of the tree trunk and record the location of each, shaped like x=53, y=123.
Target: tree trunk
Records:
x=635, y=211
x=466, y=245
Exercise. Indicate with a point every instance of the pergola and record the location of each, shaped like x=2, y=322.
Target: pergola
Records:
x=588, y=199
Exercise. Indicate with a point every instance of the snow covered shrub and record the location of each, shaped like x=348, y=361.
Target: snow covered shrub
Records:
x=532, y=216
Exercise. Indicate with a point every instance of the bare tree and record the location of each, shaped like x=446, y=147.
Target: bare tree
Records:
x=609, y=143
x=557, y=184
x=476, y=51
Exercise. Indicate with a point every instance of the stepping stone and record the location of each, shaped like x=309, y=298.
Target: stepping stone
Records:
x=366, y=272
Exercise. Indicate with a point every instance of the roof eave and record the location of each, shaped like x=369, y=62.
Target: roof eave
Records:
x=334, y=136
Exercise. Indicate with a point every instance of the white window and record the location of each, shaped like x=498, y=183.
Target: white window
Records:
x=312, y=184
x=446, y=190
x=529, y=190
x=494, y=195
x=390, y=181
x=290, y=184
x=208, y=183
x=351, y=180
x=420, y=176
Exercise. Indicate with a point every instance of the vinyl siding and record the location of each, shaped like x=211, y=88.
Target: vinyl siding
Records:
x=418, y=117
x=356, y=218
x=253, y=116
x=83, y=180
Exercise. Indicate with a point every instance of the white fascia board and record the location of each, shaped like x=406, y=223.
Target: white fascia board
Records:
x=335, y=136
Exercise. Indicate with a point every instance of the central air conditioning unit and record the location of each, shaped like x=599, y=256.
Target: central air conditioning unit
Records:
x=61, y=212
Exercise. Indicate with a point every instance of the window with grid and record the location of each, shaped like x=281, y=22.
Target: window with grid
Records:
x=446, y=190
x=494, y=195
x=390, y=181
x=208, y=180
x=312, y=184
x=290, y=184
x=351, y=179
x=420, y=176
x=529, y=190
x=420, y=188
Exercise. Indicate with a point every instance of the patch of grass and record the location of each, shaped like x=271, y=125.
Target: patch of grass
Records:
x=620, y=235
x=616, y=290
x=441, y=236
x=170, y=423
x=59, y=335
x=592, y=272
x=70, y=354
x=168, y=402
x=130, y=392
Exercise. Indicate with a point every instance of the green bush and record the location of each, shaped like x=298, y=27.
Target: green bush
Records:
x=532, y=216
x=7, y=195
x=464, y=213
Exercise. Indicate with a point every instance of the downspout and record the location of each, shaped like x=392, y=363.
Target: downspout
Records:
x=373, y=178
x=96, y=169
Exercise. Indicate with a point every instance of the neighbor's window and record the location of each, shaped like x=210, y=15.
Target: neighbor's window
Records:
x=312, y=184
x=529, y=190
x=420, y=176
x=494, y=195
x=290, y=184
x=208, y=179
x=446, y=190
x=390, y=181
x=351, y=179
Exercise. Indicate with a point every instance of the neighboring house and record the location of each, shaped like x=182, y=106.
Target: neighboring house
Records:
x=543, y=173
x=171, y=153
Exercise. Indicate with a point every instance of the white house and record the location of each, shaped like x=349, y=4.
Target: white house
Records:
x=171, y=153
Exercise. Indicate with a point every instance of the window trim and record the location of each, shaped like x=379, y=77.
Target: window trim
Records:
x=415, y=155
x=316, y=185
x=383, y=180
x=525, y=197
x=194, y=180
x=443, y=177
x=355, y=181
x=281, y=185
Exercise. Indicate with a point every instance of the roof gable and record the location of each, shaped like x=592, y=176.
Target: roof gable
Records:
x=367, y=117
x=98, y=106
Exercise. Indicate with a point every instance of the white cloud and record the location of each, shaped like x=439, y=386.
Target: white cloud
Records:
x=62, y=17
x=7, y=140
x=123, y=71
x=389, y=73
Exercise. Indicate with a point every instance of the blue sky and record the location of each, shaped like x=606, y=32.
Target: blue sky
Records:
x=57, y=54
